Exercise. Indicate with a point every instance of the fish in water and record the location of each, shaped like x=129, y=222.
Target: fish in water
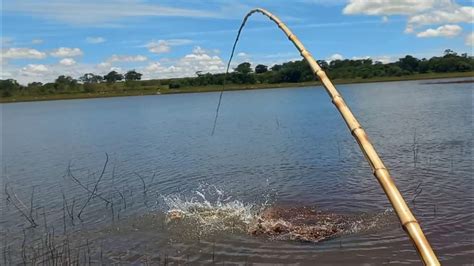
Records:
x=299, y=223
x=286, y=223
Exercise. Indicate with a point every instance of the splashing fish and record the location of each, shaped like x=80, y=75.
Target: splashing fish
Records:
x=299, y=223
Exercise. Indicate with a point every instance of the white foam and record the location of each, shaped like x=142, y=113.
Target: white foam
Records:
x=218, y=213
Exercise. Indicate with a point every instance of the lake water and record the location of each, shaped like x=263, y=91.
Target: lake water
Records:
x=275, y=147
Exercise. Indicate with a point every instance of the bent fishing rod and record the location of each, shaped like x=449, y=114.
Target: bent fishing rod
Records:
x=380, y=171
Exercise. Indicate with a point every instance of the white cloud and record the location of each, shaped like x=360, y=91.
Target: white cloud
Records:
x=242, y=54
x=158, y=47
x=442, y=31
x=409, y=29
x=96, y=12
x=95, y=40
x=335, y=57
x=199, y=50
x=127, y=58
x=21, y=53
x=323, y=2
x=384, y=59
x=36, y=41
x=67, y=62
x=198, y=60
x=419, y=12
x=387, y=7
x=66, y=52
x=450, y=13
x=104, y=65
x=35, y=70
x=164, y=46
x=154, y=67
x=379, y=58
x=469, y=41
x=360, y=57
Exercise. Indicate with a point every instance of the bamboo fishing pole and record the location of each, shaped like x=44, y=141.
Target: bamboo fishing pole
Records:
x=407, y=219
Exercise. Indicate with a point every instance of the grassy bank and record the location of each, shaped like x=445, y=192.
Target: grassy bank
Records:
x=121, y=90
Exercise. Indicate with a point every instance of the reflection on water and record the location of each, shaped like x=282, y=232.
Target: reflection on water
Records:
x=284, y=149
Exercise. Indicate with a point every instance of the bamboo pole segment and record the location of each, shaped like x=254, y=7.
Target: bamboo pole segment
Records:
x=407, y=220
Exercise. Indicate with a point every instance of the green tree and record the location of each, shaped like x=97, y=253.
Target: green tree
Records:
x=449, y=52
x=133, y=75
x=34, y=84
x=113, y=76
x=276, y=67
x=65, y=83
x=409, y=63
x=8, y=87
x=259, y=69
x=91, y=78
x=244, y=68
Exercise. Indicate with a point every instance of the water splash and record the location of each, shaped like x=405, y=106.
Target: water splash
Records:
x=368, y=222
x=210, y=210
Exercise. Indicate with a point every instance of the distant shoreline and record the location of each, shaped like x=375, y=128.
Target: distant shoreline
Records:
x=234, y=87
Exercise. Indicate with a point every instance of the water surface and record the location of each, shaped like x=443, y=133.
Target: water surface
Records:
x=274, y=147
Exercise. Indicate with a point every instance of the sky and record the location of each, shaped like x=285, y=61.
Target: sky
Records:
x=41, y=40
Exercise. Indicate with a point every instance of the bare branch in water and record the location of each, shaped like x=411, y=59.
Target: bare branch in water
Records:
x=32, y=201
x=22, y=208
x=70, y=213
x=415, y=149
x=143, y=182
x=84, y=187
x=95, y=186
x=418, y=191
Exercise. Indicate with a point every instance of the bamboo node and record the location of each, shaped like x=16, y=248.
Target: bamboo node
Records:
x=380, y=169
x=319, y=72
x=335, y=96
x=355, y=129
x=404, y=224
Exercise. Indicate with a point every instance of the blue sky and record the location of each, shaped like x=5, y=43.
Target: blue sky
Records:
x=162, y=39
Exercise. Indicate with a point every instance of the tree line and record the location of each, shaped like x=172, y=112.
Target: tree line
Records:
x=244, y=73
x=88, y=83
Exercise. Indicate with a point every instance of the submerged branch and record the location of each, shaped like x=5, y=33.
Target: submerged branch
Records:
x=22, y=209
x=95, y=186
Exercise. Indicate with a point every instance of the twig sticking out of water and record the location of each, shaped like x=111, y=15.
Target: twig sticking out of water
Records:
x=415, y=149
x=123, y=198
x=32, y=201
x=20, y=206
x=5, y=249
x=143, y=182
x=95, y=186
x=145, y=188
x=64, y=216
x=23, y=248
x=84, y=187
x=71, y=211
x=418, y=191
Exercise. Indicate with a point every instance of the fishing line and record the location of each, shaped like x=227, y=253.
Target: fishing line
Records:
x=227, y=71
